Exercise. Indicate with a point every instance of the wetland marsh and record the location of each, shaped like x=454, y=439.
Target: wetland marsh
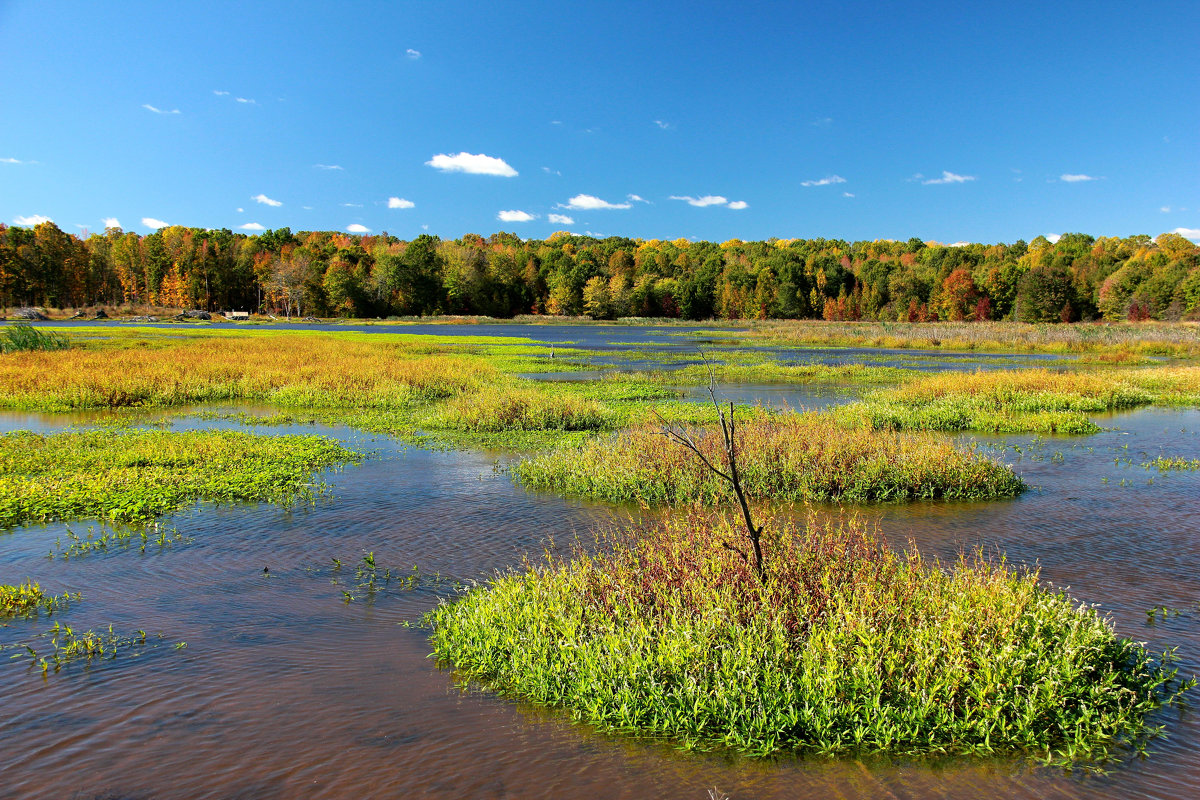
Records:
x=296, y=681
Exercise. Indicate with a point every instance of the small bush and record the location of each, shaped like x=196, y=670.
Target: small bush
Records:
x=845, y=646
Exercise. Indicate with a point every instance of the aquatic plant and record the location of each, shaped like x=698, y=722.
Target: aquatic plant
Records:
x=23, y=337
x=65, y=645
x=27, y=599
x=845, y=646
x=134, y=475
x=791, y=457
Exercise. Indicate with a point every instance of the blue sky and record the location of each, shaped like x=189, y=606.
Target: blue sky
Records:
x=950, y=122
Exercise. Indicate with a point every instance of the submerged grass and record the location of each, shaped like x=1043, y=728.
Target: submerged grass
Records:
x=845, y=646
x=134, y=475
x=788, y=457
x=23, y=337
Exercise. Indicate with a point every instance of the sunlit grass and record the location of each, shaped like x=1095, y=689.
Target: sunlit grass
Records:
x=132, y=475
x=27, y=599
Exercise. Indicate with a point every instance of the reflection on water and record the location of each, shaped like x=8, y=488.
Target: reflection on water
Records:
x=287, y=691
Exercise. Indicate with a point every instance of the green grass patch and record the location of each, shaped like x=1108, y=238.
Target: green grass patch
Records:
x=787, y=457
x=23, y=337
x=132, y=475
x=1173, y=464
x=845, y=646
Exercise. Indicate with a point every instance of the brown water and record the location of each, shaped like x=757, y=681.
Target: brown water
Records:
x=286, y=691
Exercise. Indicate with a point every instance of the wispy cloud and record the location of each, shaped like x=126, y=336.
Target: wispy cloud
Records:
x=847, y=194
x=151, y=222
x=327, y=166
x=1076, y=178
x=219, y=93
x=11, y=161
x=240, y=209
x=515, y=216
x=827, y=181
x=549, y=171
x=587, y=202
x=662, y=125
x=266, y=201
x=823, y=122
x=560, y=219
x=351, y=205
x=400, y=202
x=472, y=164
x=356, y=228
x=711, y=200
x=413, y=54
x=637, y=198
x=1165, y=209
x=149, y=107
x=252, y=226
x=948, y=177
x=31, y=220
x=1188, y=233
x=111, y=222
x=250, y=101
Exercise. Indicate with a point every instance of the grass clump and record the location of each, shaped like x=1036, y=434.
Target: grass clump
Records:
x=27, y=599
x=844, y=646
x=134, y=475
x=23, y=337
x=521, y=409
x=1173, y=464
x=789, y=457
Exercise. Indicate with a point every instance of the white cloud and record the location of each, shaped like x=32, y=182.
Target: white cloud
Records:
x=472, y=164
x=266, y=201
x=252, y=226
x=240, y=209
x=1165, y=209
x=351, y=205
x=31, y=220
x=828, y=181
x=247, y=100
x=151, y=222
x=1053, y=237
x=356, y=228
x=847, y=194
x=111, y=222
x=587, y=202
x=958, y=244
x=556, y=122
x=11, y=161
x=1188, y=233
x=549, y=171
x=637, y=198
x=219, y=93
x=662, y=125
x=515, y=216
x=823, y=121
x=711, y=200
x=413, y=54
x=1069, y=178
x=149, y=107
x=400, y=202
x=326, y=166
x=701, y=202
x=560, y=219
x=949, y=177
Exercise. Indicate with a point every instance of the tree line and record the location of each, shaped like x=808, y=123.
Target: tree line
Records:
x=324, y=273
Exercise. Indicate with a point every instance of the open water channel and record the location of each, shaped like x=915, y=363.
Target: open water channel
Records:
x=286, y=690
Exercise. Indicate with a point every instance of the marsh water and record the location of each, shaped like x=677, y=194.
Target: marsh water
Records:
x=287, y=690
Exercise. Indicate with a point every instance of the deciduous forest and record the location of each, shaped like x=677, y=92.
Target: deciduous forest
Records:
x=322, y=273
